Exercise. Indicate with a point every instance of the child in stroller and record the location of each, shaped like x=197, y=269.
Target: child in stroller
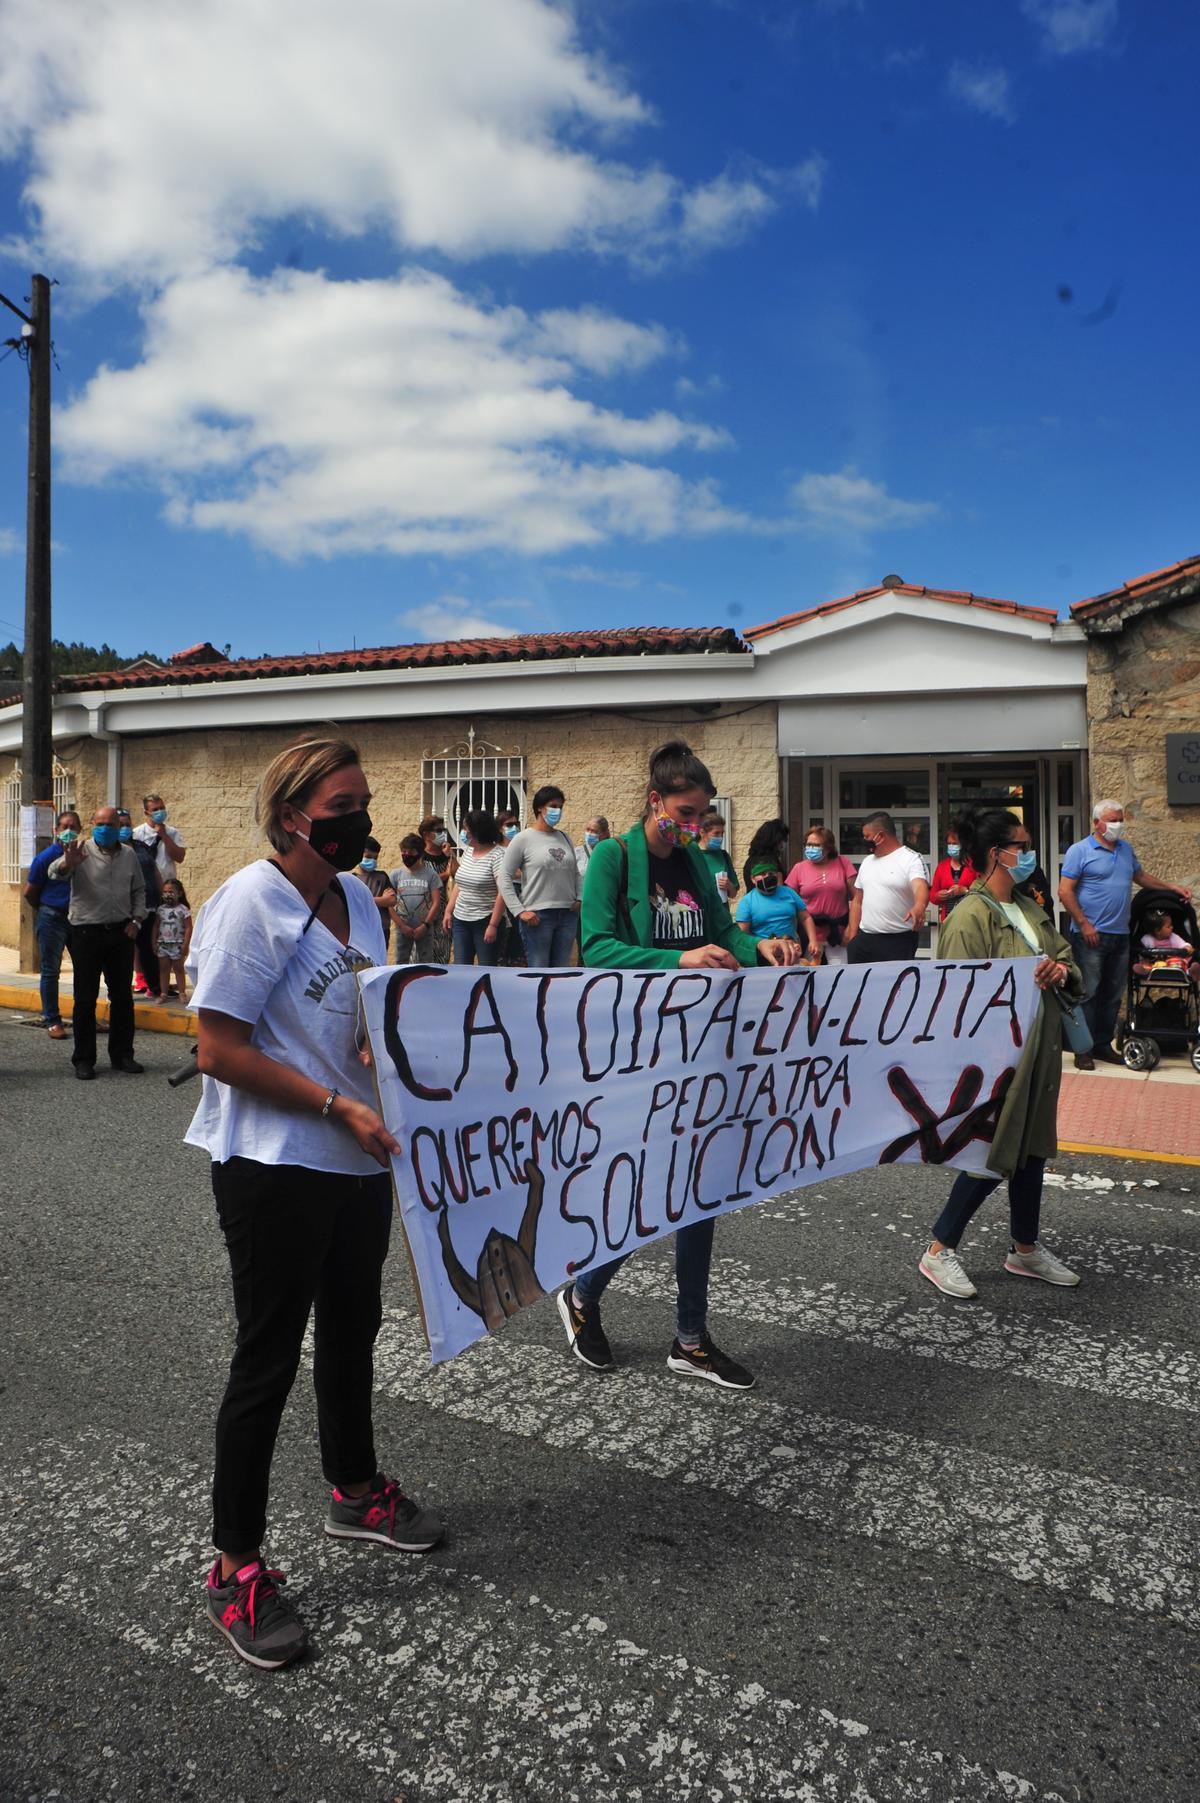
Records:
x=1162, y=1003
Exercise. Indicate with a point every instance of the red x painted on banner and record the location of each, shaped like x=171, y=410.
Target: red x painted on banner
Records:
x=978, y=1119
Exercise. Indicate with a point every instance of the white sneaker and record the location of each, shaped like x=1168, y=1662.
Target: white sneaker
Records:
x=943, y=1269
x=1040, y=1263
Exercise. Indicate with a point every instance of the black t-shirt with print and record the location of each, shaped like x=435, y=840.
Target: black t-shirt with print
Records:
x=675, y=904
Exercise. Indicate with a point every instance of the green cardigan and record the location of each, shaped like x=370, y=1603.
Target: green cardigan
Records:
x=1028, y=1124
x=609, y=941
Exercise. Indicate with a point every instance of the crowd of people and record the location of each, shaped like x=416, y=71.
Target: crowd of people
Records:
x=288, y=1117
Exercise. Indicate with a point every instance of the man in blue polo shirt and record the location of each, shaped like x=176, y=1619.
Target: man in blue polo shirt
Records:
x=50, y=901
x=1098, y=874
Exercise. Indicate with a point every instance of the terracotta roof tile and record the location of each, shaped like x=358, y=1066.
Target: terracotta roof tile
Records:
x=959, y=598
x=1100, y=606
x=535, y=647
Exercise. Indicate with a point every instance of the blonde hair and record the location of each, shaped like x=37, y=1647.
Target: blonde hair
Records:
x=291, y=777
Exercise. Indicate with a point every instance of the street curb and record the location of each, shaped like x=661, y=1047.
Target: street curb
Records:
x=147, y=1017
x=1129, y=1152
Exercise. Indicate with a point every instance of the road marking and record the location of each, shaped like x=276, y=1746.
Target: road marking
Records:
x=1111, y=1543
x=446, y=1684
x=1138, y=1152
x=1121, y=1366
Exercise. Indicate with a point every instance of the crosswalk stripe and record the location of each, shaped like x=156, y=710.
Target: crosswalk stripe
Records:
x=426, y=1674
x=1055, y=1351
x=1113, y=1544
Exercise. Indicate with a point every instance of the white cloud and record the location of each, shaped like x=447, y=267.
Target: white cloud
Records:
x=10, y=542
x=600, y=578
x=164, y=135
x=983, y=87
x=451, y=617
x=316, y=417
x=1067, y=27
x=601, y=342
x=845, y=501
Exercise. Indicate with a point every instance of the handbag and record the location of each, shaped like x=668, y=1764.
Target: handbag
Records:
x=1076, y=1031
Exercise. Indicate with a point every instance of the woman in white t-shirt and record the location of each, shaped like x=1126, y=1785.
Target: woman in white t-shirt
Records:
x=475, y=906
x=288, y=1117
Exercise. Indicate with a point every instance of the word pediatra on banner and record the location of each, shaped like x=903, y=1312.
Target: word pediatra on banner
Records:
x=552, y=1120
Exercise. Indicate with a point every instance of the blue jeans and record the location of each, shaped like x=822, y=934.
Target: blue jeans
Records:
x=470, y=946
x=1024, y=1203
x=693, y=1256
x=53, y=934
x=1104, y=968
x=548, y=945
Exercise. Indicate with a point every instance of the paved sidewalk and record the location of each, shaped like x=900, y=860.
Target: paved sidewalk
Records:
x=1153, y=1114
x=19, y=990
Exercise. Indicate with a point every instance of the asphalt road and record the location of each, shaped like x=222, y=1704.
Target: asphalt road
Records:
x=943, y=1551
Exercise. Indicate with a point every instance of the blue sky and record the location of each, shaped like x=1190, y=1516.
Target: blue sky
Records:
x=433, y=317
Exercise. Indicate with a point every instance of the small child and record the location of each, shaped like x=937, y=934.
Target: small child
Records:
x=1163, y=949
x=172, y=937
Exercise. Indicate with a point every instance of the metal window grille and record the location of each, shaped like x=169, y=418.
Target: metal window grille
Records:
x=64, y=785
x=472, y=774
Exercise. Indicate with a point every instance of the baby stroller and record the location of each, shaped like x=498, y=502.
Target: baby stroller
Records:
x=1162, y=1010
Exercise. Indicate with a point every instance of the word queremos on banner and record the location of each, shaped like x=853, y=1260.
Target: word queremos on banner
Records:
x=553, y=1119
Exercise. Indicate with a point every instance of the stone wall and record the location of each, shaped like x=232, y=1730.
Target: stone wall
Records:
x=1144, y=682
x=599, y=759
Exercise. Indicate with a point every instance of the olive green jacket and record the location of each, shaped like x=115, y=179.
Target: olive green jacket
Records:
x=1028, y=1124
x=612, y=938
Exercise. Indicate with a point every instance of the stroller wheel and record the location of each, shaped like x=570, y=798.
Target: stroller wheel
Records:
x=1196, y=1057
x=1140, y=1054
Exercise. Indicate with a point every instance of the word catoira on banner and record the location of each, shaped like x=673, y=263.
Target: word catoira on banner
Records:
x=552, y=1120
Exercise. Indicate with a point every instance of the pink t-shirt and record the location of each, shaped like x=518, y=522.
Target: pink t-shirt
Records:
x=825, y=887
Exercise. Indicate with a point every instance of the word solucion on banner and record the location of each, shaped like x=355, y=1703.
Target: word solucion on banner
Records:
x=551, y=1120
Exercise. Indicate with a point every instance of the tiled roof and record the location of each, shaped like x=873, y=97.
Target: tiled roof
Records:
x=959, y=597
x=1138, y=594
x=534, y=647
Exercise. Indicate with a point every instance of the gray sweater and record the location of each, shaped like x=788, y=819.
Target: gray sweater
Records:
x=550, y=876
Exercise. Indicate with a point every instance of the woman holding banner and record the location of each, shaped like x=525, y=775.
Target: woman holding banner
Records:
x=650, y=903
x=994, y=920
x=288, y=1117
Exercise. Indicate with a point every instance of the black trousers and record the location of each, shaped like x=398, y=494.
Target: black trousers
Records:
x=106, y=952
x=299, y=1241
x=882, y=948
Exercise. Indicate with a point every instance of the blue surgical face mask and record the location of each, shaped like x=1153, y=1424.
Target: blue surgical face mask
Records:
x=125, y=834
x=158, y=816
x=104, y=836
x=367, y=864
x=717, y=842
x=814, y=853
x=510, y=831
x=552, y=816
x=1025, y=866
x=954, y=851
x=591, y=839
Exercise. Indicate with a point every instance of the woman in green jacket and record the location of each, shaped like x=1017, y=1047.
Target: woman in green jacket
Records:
x=993, y=920
x=650, y=903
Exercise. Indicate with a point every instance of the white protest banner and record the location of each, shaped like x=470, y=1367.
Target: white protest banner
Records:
x=552, y=1120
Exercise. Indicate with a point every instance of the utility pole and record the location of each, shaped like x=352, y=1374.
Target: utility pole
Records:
x=37, y=781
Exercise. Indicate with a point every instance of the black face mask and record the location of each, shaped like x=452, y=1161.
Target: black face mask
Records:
x=768, y=884
x=340, y=839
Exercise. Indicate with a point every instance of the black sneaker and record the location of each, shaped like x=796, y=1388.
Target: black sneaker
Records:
x=585, y=1336
x=709, y=1362
x=260, y=1627
x=384, y=1515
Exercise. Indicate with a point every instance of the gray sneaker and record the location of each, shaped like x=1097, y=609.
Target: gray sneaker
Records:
x=384, y=1515
x=1043, y=1264
x=943, y=1269
x=260, y=1627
